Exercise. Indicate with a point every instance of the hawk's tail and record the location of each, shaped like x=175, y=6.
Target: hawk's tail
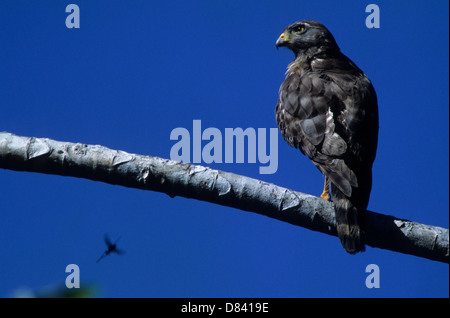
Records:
x=348, y=222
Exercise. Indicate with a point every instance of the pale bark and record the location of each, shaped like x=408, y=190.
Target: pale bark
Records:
x=99, y=163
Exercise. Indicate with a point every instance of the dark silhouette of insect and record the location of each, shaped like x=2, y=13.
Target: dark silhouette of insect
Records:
x=112, y=247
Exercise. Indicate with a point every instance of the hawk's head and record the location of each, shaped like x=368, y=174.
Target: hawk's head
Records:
x=307, y=34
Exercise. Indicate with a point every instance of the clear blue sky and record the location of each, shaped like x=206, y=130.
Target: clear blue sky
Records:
x=136, y=70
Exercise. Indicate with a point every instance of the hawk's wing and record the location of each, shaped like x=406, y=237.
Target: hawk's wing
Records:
x=316, y=112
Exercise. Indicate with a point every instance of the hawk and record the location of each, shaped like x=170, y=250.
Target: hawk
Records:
x=327, y=108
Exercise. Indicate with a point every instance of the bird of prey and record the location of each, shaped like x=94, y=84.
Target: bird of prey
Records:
x=111, y=248
x=327, y=108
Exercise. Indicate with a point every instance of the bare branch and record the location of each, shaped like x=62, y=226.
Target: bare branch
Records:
x=99, y=163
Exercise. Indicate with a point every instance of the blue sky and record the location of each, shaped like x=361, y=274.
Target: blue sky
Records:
x=136, y=70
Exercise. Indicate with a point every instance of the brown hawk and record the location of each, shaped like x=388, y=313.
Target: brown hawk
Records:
x=327, y=108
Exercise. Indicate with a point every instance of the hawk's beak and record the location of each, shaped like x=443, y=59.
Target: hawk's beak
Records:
x=281, y=40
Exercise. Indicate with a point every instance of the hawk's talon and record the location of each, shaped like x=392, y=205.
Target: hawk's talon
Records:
x=326, y=190
x=326, y=195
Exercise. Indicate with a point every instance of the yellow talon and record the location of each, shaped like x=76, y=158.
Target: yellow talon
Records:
x=326, y=192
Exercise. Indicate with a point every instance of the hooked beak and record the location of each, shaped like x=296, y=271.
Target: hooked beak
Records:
x=281, y=41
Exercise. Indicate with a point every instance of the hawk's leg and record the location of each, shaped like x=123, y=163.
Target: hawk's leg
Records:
x=326, y=190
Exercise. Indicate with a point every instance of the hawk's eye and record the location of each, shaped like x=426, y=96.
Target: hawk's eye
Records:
x=299, y=29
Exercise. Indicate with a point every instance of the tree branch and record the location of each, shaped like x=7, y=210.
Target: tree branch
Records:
x=99, y=163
